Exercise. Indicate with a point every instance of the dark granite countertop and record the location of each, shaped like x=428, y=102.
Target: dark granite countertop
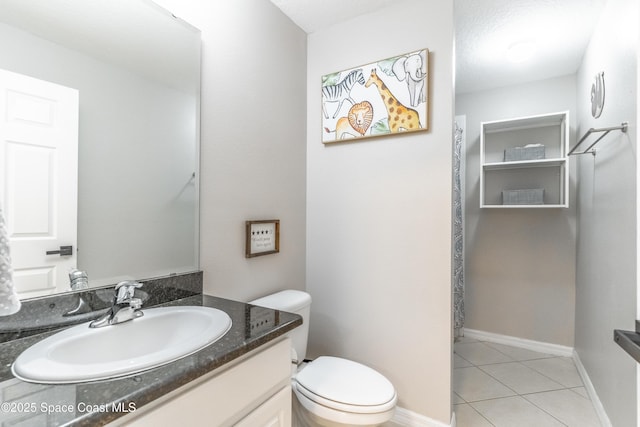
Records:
x=98, y=403
x=53, y=312
x=629, y=341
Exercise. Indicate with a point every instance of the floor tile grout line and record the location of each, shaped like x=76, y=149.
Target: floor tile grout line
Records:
x=488, y=344
x=572, y=388
x=547, y=356
x=562, y=386
x=479, y=413
x=522, y=396
x=482, y=415
x=462, y=358
x=460, y=397
x=502, y=363
x=555, y=380
x=507, y=397
x=481, y=370
x=543, y=410
x=521, y=362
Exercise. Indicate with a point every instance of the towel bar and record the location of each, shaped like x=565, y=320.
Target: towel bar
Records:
x=623, y=127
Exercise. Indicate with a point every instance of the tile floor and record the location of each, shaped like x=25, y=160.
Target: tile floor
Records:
x=501, y=386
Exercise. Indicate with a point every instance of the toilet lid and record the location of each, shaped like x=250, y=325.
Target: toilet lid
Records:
x=345, y=382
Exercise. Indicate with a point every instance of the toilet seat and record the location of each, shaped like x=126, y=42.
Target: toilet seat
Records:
x=346, y=386
x=317, y=414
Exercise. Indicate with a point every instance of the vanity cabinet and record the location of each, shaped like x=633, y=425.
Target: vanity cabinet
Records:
x=538, y=179
x=253, y=392
x=275, y=412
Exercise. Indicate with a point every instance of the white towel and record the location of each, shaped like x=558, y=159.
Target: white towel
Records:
x=9, y=302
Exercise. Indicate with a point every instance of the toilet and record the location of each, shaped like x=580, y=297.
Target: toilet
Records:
x=330, y=391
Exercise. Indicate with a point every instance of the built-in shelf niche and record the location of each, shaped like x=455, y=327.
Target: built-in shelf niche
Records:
x=550, y=173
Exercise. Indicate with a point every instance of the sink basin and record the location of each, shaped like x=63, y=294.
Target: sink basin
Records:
x=81, y=353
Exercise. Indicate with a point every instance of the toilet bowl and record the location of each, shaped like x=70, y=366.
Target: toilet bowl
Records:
x=331, y=391
x=339, y=392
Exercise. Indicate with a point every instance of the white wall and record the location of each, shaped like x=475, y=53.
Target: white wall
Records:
x=519, y=263
x=379, y=215
x=606, y=262
x=392, y=288
x=124, y=201
x=252, y=142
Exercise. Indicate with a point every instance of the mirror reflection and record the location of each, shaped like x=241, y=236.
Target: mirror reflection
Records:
x=99, y=141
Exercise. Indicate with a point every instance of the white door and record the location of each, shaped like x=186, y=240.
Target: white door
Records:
x=39, y=180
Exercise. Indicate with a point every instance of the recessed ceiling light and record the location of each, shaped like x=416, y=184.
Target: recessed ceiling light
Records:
x=521, y=51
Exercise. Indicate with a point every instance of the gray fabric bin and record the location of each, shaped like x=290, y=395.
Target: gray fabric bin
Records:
x=524, y=153
x=534, y=196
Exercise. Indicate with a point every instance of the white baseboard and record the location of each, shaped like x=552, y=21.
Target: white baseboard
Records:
x=591, y=391
x=539, y=346
x=407, y=418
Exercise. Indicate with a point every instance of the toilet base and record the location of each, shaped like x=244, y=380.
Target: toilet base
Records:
x=302, y=417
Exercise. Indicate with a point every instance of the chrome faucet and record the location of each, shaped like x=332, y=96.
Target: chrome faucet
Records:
x=124, y=307
x=78, y=280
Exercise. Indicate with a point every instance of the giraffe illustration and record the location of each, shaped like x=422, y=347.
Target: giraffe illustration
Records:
x=401, y=118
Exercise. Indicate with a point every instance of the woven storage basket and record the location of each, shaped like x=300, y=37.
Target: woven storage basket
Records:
x=524, y=153
x=534, y=196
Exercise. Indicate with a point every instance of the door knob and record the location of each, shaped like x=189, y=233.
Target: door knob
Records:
x=63, y=251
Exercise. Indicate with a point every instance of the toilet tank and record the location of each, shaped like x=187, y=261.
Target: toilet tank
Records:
x=297, y=302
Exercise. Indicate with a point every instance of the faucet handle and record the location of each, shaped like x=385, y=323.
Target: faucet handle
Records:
x=125, y=290
x=78, y=279
x=128, y=283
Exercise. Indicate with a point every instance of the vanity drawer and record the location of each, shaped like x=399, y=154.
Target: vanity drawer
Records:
x=223, y=397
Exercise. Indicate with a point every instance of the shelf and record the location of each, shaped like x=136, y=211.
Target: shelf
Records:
x=525, y=164
x=523, y=206
x=530, y=122
x=549, y=174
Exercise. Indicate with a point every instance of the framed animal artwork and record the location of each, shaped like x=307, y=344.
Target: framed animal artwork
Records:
x=382, y=98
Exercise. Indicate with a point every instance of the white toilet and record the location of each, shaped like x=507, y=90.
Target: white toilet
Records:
x=331, y=391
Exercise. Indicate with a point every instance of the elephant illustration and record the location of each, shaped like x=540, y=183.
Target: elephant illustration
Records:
x=410, y=68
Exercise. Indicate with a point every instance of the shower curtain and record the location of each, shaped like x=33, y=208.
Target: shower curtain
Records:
x=458, y=226
x=9, y=302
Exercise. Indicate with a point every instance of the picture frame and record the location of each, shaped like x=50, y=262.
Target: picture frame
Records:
x=262, y=237
x=386, y=97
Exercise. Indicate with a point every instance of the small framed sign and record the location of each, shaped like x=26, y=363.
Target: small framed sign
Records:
x=263, y=237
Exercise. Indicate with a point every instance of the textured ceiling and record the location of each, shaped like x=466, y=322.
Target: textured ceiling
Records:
x=484, y=30
x=313, y=15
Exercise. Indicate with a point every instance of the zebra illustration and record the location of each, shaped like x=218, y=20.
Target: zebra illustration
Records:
x=341, y=91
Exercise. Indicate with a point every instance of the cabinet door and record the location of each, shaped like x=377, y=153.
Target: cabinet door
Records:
x=275, y=412
x=220, y=398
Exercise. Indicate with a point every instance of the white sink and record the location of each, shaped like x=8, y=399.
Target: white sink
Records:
x=161, y=336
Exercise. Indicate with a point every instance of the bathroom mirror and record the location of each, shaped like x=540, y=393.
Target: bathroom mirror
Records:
x=136, y=70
